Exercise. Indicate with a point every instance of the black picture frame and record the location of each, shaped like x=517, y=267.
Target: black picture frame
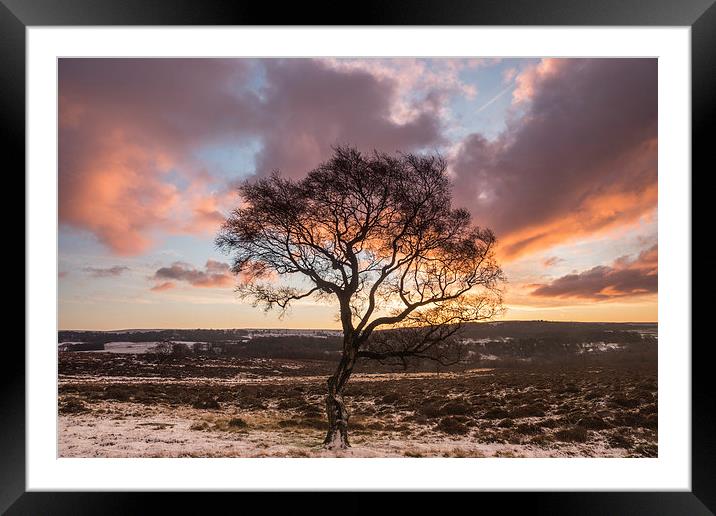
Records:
x=700, y=15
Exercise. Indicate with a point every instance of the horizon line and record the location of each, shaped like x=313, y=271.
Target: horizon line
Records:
x=338, y=329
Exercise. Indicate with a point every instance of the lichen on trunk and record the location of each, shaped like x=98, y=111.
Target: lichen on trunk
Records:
x=337, y=435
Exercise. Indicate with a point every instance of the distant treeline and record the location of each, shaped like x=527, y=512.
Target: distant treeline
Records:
x=307, y=348
x=559, y=331
x=197, y=335
x=559, y=345
x=507, y=341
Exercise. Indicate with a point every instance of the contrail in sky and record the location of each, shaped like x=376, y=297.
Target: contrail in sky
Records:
x=493, y=99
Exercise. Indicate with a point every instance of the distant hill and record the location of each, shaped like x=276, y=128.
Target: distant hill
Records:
x=492, y=343
x=556, y=329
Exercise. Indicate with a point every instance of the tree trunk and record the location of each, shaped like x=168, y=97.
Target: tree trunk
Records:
x=337, y=436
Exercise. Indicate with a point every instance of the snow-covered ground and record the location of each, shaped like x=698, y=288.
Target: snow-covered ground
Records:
x=601, y=347
x=488, y=340
x=114, y=405
x=250, y=378
x=135, y=430
x=128, y=347
x=321, y=334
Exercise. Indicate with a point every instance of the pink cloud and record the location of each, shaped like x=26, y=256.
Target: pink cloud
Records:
x=115, y=191
x=552, y=261
x=127, y=126
x=162, y=287
x=206, y=206
x=509, y=74
x=626, y=277
x=415, y=80
x=310, y=107
x=106, y=272
x=529, y=79
x=124, y=125
x=580, y=161
x=215, y=274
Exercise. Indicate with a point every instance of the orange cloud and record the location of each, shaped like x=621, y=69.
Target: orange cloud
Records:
x=215, y=274
x=208, y=209
x=116, y=192
x=626, y=277
x=597, y=215
x=551, y=261
x=528, y=80
x=161, y=287
x=582, y=160
x=124, y=125
x=128, y=126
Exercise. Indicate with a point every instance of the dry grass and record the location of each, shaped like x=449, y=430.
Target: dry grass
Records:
x=548, y=409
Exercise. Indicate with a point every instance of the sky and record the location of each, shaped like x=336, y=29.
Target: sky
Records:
x=557, y=156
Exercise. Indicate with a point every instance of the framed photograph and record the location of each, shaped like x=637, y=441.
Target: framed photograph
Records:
x=419, y=252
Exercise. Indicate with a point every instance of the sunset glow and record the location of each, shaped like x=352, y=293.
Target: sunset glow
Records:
x=557, y=156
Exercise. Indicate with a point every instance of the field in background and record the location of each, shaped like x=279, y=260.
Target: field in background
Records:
x=525, y=390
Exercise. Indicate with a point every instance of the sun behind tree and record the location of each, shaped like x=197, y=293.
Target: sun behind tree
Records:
x=377, y=235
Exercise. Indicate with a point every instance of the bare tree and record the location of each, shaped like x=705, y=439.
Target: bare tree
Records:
x=376, y=234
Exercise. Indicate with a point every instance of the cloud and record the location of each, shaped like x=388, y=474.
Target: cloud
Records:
x=108, y=272
x=161, y=287
x=581, y=159
x=552, y=261
x=626, y=277
x=215, y=274
x=129, y=127
x=529, y=80
x=310, y=107
x=416, y=80
x=509, y=74
x=206, y=206
x=124, y=125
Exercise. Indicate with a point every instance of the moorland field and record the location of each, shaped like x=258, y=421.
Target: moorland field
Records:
x=524, y=390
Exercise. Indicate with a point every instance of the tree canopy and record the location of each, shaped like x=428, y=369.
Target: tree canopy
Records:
x=378, y=235
x=375, y=232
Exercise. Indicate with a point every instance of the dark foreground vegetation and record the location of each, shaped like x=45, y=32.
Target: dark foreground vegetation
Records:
x=593, y=403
